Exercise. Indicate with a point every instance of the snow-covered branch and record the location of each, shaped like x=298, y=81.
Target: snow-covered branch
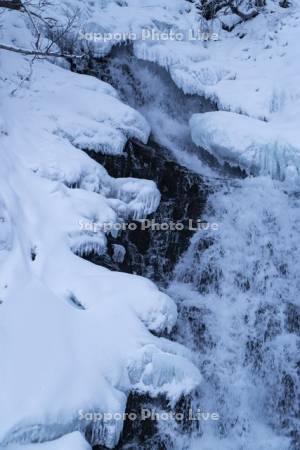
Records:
x=25, y=51
x=42, y=26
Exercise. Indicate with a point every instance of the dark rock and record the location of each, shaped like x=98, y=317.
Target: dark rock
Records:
x=154, y=253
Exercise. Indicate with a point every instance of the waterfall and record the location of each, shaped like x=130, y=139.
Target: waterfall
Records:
x=237, y=291
x=236, y=285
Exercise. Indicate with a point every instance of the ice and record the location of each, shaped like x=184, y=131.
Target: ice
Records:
x=189, y=66
x=86, y=244
x=141, y=196
x=119, y=253
x=152, y=368
x=255, y=146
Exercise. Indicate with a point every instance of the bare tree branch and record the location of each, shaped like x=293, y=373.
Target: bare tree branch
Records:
x=24, y=51
x=43, y=27
x=59, y=35
x=34, y=26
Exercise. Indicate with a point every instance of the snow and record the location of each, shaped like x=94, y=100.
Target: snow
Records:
x=72, y=441
x=61, y=342
x=252, y=71
x=63, y=318
x=257, y=147
x=244, y=71
x=125, y=18
x=72, y=334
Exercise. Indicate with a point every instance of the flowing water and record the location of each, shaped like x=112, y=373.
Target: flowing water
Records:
x=237, y=284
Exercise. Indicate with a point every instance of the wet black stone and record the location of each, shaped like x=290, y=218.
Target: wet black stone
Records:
x=154, y=253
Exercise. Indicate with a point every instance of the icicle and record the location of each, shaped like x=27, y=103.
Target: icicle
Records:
x=85, y=244
x=119, y=253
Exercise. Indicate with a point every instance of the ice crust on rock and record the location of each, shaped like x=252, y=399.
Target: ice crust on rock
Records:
x=253, y=145
x=150, y=371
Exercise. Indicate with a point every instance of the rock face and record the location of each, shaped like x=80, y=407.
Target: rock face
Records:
x=153, y=251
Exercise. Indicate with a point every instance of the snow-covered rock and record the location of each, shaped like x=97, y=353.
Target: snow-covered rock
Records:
x=253, y=145
x=70, y=331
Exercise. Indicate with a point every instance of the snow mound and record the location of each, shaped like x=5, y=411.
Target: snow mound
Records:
x=72, y=441
x=189, y=65
x=89, y=346
x=124, y=18
x=253, y=145
x=152, y=369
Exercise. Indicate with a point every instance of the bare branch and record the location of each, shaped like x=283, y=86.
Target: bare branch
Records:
x=34, y=25
x=24, y=51
x=67, y=28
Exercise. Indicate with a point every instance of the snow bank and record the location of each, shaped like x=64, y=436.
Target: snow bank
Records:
x=71, y=333
x=255, y=146
x=121, y=20
x=72, y=441
x=60, y=359
x=251, y=71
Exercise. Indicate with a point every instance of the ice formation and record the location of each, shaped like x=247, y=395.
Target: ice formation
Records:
x=119, y=253
x=256, y=146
